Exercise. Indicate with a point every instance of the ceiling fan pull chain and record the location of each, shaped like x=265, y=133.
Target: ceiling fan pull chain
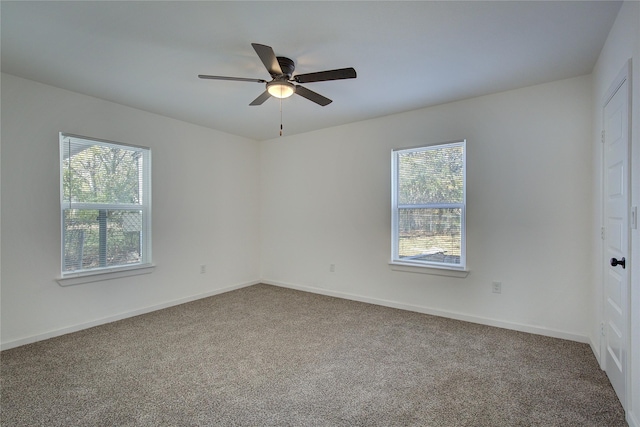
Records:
x=280, y=116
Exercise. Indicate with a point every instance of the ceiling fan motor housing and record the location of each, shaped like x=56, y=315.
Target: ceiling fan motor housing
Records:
x=286, y=65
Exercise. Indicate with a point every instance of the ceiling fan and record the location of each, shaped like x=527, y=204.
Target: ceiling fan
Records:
x=281, y=84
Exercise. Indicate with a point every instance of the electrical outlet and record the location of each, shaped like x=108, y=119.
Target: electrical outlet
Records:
x=332, y=268
x=203, y=269
x=496, y=287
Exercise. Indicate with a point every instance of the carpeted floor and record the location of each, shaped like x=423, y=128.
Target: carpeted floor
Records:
x=268, y=356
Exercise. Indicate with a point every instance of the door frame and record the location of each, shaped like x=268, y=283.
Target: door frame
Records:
x=623, y=75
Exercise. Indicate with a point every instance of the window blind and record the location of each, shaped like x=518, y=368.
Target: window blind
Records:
x=105, y=204
x=428, y=205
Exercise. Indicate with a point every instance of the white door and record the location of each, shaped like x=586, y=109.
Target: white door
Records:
x=616, y=244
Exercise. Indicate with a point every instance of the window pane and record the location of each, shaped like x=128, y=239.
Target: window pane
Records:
x=434, y=175
x=101, y=174
x=105, y=204
x=431, y=235
x=101, y=238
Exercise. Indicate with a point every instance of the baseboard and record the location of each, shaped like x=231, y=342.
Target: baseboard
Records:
x=386, y=303
x=632, y=420
x=437, y=312
x=595, y=348
x=120, y=316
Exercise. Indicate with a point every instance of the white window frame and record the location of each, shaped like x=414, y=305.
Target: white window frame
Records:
x=145, y=265
x=395, y=215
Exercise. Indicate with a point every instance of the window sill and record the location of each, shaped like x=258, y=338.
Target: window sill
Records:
x=105, y=274
x=442, y=271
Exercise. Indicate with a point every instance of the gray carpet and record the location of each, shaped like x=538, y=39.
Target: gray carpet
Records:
x=268, y=356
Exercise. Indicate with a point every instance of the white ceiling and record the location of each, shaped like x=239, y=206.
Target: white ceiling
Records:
x=408, y=55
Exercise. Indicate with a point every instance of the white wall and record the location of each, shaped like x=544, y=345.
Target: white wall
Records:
x=325, y=199
x=622, y=44
x=205, y=211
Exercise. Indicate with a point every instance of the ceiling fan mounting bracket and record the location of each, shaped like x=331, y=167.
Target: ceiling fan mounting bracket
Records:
x=287, y=66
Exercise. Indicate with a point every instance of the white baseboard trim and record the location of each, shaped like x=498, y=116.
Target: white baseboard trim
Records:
x=538, y=330
x=120, y=316
x=595, y=348
x=386, y=303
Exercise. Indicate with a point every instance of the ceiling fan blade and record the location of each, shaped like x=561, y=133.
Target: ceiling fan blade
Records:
x=268, y=58
x=321, y=76
x=312, y=96
x=237, y=79
x=260, y=100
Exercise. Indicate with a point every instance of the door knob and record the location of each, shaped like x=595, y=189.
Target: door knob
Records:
x=615, y=262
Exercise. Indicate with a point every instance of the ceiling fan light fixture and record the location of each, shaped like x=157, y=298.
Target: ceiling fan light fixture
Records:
x=281, y=89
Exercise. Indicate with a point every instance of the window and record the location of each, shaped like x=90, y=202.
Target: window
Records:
x=428, y=206
x=105, y=204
